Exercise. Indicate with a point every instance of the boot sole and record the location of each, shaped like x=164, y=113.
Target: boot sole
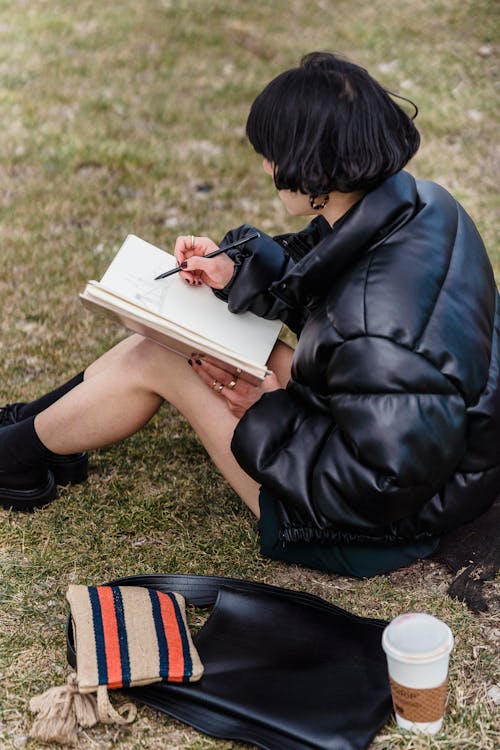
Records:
x=72, y=469
x=27, y=500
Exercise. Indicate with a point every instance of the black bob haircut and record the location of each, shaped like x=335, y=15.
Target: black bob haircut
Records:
x=328, y=125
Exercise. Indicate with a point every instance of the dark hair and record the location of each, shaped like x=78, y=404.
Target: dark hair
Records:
x=328, y=125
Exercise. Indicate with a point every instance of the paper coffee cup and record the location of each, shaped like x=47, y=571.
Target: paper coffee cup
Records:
x=418, y=649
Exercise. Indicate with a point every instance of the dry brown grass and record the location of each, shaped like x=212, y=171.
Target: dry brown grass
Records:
x=129, y=117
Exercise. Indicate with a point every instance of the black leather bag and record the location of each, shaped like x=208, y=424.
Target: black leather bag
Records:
x=284, y=670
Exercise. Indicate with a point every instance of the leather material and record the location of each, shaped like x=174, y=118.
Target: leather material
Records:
x=28, y=490
x=389, y=430
x=71, y=469
x=284, y=670
x=27, y=480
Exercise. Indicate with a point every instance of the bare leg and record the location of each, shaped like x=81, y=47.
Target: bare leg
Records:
x=126, y=388
x=104, y=361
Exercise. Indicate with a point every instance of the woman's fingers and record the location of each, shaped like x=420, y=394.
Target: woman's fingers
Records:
x=188, y=245
x=238, y=394
x=215, y=272
x=215, y=376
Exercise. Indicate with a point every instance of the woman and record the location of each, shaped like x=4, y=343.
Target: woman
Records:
x=382, y=430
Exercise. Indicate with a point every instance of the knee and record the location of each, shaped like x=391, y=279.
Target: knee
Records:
x=145, y=356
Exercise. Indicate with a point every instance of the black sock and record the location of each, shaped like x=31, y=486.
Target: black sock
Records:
x=31, y=408
x=21, y=448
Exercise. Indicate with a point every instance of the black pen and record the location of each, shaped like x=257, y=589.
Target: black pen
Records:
x=219, y=250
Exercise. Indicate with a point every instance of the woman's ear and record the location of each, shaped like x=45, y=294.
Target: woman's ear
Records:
x=268, y=167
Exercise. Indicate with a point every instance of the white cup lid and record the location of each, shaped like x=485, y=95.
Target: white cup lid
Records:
x=417, y=636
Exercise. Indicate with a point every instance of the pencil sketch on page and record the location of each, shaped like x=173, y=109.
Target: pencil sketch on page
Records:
x=150, y=295
x=132, y=274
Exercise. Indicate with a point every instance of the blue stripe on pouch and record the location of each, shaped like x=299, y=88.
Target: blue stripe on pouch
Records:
x=102, y=669
x=160, y=634
x=122, y=635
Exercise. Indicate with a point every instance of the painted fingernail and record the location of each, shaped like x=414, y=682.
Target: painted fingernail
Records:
x=190, y=362
x=184, y=264
x=198, y=361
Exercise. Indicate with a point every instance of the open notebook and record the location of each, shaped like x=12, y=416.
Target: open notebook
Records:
x=183, y=318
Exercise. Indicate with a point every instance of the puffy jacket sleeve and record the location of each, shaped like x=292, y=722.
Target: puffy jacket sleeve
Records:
x=258, y=263
x=387, y=433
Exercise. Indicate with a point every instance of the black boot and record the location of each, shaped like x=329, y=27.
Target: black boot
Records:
x=71, y=469
x=27, y=490
x=25, y=481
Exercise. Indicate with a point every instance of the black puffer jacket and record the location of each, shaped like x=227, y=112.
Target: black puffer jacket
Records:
x=389, y=429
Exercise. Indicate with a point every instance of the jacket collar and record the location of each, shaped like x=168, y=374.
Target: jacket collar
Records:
x=366, y=225
x=298, y=244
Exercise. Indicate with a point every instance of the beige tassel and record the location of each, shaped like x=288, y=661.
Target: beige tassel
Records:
x=61, y=710
x=107, y=714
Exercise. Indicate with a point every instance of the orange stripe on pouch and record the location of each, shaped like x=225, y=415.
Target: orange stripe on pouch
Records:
x=111, y=642
x=172, y=633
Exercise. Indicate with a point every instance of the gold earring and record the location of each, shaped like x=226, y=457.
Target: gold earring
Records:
x=318, y=206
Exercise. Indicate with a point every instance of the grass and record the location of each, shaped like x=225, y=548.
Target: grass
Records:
x=129, y=117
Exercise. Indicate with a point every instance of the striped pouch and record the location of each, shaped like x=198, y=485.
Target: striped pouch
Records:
x=125, y=636
x=128, y=636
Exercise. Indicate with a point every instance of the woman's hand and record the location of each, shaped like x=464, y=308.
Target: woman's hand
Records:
x=214, y=272
x=239, y=394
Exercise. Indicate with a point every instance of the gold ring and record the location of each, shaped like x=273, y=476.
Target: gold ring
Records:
x=214, y=384
x=219, y=388
x=232, y=384
x=238, y=371
x=192, y=242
